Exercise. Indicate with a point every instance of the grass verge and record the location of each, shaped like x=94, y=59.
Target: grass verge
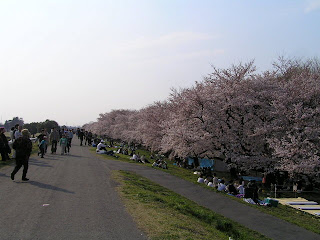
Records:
x=163, y=214
x=291, y=215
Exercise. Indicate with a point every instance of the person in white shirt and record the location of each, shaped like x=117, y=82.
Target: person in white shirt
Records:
x=134, y=157
x=240, y=188
x=221, y=186
x=200, y=179
x=101, y=146
x=210, y=184
x=215, y=180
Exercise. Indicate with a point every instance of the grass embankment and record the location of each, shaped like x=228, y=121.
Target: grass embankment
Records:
x=291, y=215
x=163, y=214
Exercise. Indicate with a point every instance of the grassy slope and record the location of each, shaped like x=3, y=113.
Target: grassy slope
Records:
x=163, y=214
x=299, y=218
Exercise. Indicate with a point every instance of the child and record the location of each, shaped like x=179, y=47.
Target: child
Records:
x=42, y=146
x=63, y=144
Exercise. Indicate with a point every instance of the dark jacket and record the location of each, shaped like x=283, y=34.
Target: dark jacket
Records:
x=4, y=145
x=23, y=147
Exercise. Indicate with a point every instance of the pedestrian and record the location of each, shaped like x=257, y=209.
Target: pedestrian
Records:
x=4, y=145
x=43, y=146
x=18, y=133
x=85, y=137
x=81, y=135
x=54, y=138
x=23, y=147
x=89, y=136
x=47, y=139
x=12, y=134
x=63, y=144
x=69, y=136
x=39, y=139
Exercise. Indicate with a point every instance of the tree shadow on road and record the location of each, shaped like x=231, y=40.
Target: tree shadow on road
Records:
x=47, y=186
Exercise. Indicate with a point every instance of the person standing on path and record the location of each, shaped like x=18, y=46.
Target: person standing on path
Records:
x=81, y=135
x=23, y=147
x=4, y=145
x=54, y=138
x=69, y=135
x=63, y=144
x=18, y=133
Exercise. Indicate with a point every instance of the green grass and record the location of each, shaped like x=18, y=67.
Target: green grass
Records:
x=299, y=218
x=163, y=214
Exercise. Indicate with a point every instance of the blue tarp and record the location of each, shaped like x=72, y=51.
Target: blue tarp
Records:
x=248, y=178
x=204, y=162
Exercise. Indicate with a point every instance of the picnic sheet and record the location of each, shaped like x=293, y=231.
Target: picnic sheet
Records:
x=302, y=205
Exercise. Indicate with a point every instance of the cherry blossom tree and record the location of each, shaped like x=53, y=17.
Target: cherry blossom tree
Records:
x=263, y=121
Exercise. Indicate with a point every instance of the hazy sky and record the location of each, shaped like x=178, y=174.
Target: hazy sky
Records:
x=71, y=60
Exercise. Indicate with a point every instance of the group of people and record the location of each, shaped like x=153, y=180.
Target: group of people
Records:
x=102, y=149
x=232, y=188
x=22, y=145
x=63, y=137
x=85, y=136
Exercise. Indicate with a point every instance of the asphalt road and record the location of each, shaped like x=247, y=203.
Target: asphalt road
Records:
x=67, y=197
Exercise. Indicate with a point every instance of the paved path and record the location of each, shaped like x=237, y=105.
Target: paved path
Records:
x=84, y=205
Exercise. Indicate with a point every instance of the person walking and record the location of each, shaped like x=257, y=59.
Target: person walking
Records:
x=63, y=144
x=69, y=135
x=4, y=145
x=39, y=139
x=81, y=135
x=43, y=146
x=54, y=138
x=23, y=147
x=13, y=138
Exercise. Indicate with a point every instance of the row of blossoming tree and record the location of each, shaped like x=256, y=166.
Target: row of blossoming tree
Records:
x=265, y=121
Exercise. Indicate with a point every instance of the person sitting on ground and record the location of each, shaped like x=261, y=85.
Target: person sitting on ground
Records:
x=210, y=184
x=221, y=186
x=144, y=159
x=240, y=188
x=101, y=146
x=252, y=186
x=200, y=179
x=134, y=158
x=215, y=180
x=139, y=158
x=164, y=164
x=208, y=179
x=231, y=188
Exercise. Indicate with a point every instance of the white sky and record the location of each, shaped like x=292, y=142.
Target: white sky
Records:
x=68, y=60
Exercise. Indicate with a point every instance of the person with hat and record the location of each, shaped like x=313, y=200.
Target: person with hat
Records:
x=4, y=145
x=23, y=147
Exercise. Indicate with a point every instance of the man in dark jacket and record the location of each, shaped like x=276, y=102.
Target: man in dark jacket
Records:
x=23, y=147
x=81, y=136
x=4, y=145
